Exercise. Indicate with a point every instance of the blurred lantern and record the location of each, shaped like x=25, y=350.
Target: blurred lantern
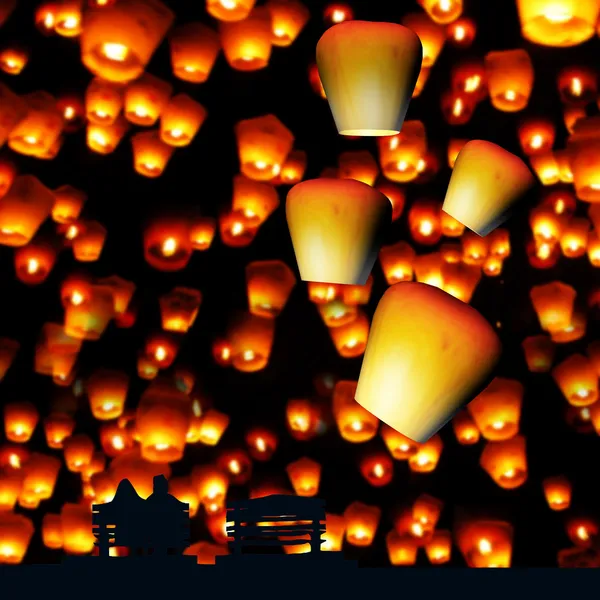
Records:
x=506, y=462
x=395, y=195
x=401, y=154
x=229, y=10
x=338, y=12
x=462, y=333
x=38, y=133
x=88, y=245
x=6, y=9
x=41, y=472
x=358, y=165
x=572, y=114
x=222, y=353
x=20, y=420
x=424, y=222
x=150, y=153
x=322, y=293
x=499, y=243
x=116, y=438
x=67, y=18
x=73, y=112
x=377, y=469
x=34, y=262
x=52, y=533
x=214, y=424
x=539, y=353
x=293, y=168
x=347, y=240
x=263, y=145
x=427, y=456
x=574, y=331
x=558, y=492
x=254, y=199
x=13, y=456
x=355, y=424
x=558, y=23
x=593, y=250
x=485, y=544
x=45, y=18
x=342, y=67
x=497, y=410
x=510, y=78
x=545, y=167
x=118, y=40
x=336, y=313
x=11, y=481
x=460, y=280
x=439, y=547
x=236, y=230
x=162, y=349
x=145, y=98
x=180, y=120
x=122, y=291
x=546, y=225
x=461, y=32
x=428, y=269
x=194, y=51
x=350, y=339
x=23, y=209
x=8, y=172
x=269, y=285
x=582, y=531
x=104, y=139
x=485, y=184
x=76, y=521
x=465, y=428
x=315, y=80
x=288, y=18
x=211, y=485
x=58, y=427
x=454, y=147
x=457, y=107
x=397, y=262
x=402, y=549
x=88, y=321
x=107, y=392
x=593, y=353
x=353, y=295
x=13, y=60
x=302, y=419
x=237, y=465
x=578, y=85
x=78, y=451
x=553, y=303
x=103, y=101
x=179, y=309
x=305, y=476
x=362, y=522
x=14, y=109
x=431, y=34
x=577, y=380
x=333, y=538
x=247, y=43
x=442, y=11
x=167, y=244
x=68, y=204
x=251, y=338
x=16, y=532
x=202, y=233
x=536, y=136
x=451, y=252
x=261, y=443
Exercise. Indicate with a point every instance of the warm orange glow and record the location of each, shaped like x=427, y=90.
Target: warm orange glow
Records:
x=194, y=51
x=506, y=462
x=362, y=522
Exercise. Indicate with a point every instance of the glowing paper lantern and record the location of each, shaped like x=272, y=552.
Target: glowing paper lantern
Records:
x=336, y=227
x=194, y=51
x=118, y=41
x=229, y=10
x=13, y=109
x=510, y=78
x=403, y=379
x=288, y=19
x=506, y=462
x=369, y=71
x=180, y=120
x=145, y=99
x=269, y=284
x=558, y=492
x=485, y=184
x=443, y=11
x=553, y=303
x=251, y=338
x=16, y=532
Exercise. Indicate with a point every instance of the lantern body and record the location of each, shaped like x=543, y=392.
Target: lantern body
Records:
x=118, y=40
x=104, y=139
x=539, y=353
x=57, y=428
x=202, y=233
x=506, y=462
x=179, y=309
x=443, y=12
x=76, y=521
x=305, y=475
x=78, y=451
x=16, y=532
x=577, y=380
x=485, y=184
x=431, y=35
x=236, y=10
x=88, y=321
x=350, y=339
x=336, y=228
x=150, y=153
x=107, y=392
x=103, y=101
x=68, y=204
x=485, y=544
x=510, y=77
x=167, y=245
x=180, y=120
x=20, y=420
x=403, y=379
x=34, y=262
x=369, y=71
x=359, y=165
x=288, y=19
x=362, y=522
x=269, y=284
x=355, y=424
x=13, y=109
x=251, y=339
x=145, y=99
x=194, y=51
x=553, y=302
x=88, y=245
x=558, y=492
x=255, y=200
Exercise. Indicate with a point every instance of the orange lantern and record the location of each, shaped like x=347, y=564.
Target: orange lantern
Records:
x=454, y=147
x=582, y=531
x=183, y=490
x=460, y=280
x=355, y=424
x=202, y=233
x=497, y=410
x=162, y=350
x=431, y=34
x=397, y=262
x=88, y=321
x=506, y=462
x=88, y=245
x=251, y=339
x=34, y=262
x=68, y=204
x=116, y=438
x=350, y=339
x=451, y=252
x=577, y=380
x=261, y=443
x=52, y=534
x=338, y=12
x=222, y=353
x=578, y=85
x=439, y=547
x=539, y=353
x=40, y=475
x=194, y=51
x=11, y=481
x=333, y=538
x=442, y=11
x=428, y=269
x=395, y=195
x=78, y=451
x=167, y=245
x=237, y=465
x=180, y=120
x=336, y=313
x=288, y=19
x=593, y=353
x=398, y=445
x=150, y=153
x=179, y=309
x=465, y=428
x=13, y=60
x=545, y=167
x=23, y=209
x=103, y=102
x=107, y=392
x=8, y=173
x=73, y=112
x=322, y=293
x=499, y=243
x=16, y=532
x=362, y=522
x=118, y=40
x=269, y=285
x=67, y=18
x=213, y=426
x=593, y=249
x=574, y=331
x=76, y=521
x=461, y=32
x=122, y=291
x=358, y=165
x=302, y=419
x=229, y=10
x=553, y=303
x=546, y=225
x=254, y=199
x=536, y=136
x=377, y=469
x=6, y=9
x=211, y=484
x=293, y=168
x=402, y=549
x=13, y=456
x=510, y=77
x=305, y=475
x=14, y=109
x=485, y=544
x=58, y=427
x=457, y=107
x=354, y=295
x=75, y=290
x=104, y=139
x=20, y=420
x=400, y=155
x=424, y=222
x=315, y=81
x=145, y=98
x=427, y=456
x=558, y=492
x=247, y=43
x=263, y=145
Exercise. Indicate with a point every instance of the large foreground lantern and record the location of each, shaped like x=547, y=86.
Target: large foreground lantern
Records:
x=485, y=184
x=369, y=72
x=336, y=227
x=417, y=331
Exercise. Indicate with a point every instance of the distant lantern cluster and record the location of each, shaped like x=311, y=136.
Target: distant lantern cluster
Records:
x=428, y=357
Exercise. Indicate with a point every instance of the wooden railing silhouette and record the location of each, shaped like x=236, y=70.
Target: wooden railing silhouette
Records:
x=276, y=521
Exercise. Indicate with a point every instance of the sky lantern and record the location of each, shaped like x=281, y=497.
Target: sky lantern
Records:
x=229, y=10
x=460, y=279
x=577, y=380
x=118, y=40
x=377, y=469
x=400, y=155
x=390, y=66
x=399, y=395
x=359, y=165
x=262, y=443
x=237, y=464
x=575, y=330
x=455, y=145
x=485, y=184
x=8, y=172
x=553, y=303
x=450, y=226
x=41, y=473
x=461, y=32
x=251, y=338
x=211, y=484
x=506, y=462
x=350, y=339
x=397, y=262
x=557, y=491
x=20, y=420
x=333, y=538
x=104, y=139
x=427, y=455
x=122, y=291
x=180, y=120
x=402, y=549
x=545, y=167
x=103, y=101
x=497, y=410
x=34, y=262
x=288, y=18
x=292, y=170
x=442, y=11
x=577, y=85
x=362, y=521
x=354, y=295
x=88, y=245
x=465, y=428
x=439, y=547
x=302, y=418
x=269, y=284
x=52, y=534
x=539, y=353
x=322, y=293
x=89, y=320
x=355, y=424
x=167, y=244
x=395, y=194
x=582, y=530
x=68, y=204
x=73, y=112
x=424, y=222
x=78, y=450
x=6, y=9
x=16, y=532
x=179, y=309
x=162, y=349
x=485, y=543
x=255, y=200
x=510, y=76
x=336, y=313
x=574, y=238
x=202, y=232
x=107, y=392
x=431, y=34
x=536, y=136
x=336, y=227
x=150, y=153
x=247, y=43
x=305, y=476
x=13, y=60
x=457, y=107
x=58, y=427
x=558, y=23
x=145, y=98
x=68, y=18
x=14, y=109
x=194, y=51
